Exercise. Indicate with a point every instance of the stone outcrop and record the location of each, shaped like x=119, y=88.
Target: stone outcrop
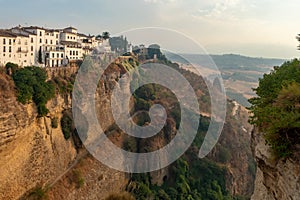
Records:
x=32, y=152
x=236, y=138
x=275, y=179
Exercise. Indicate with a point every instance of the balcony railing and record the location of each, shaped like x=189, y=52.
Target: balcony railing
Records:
x=22, y=51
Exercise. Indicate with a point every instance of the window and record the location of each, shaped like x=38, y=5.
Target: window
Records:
x=68, y=37
x=31, y=40
x=56, y=35
x=53, y=55
x=70, y=52
x=4, y=41
x=4, y=49
x=46, y=41
x=41, y=40
x=9, y=41
x=26, y=42
x=9, y=50
x=57, y=55
x=76, y=53
x=56, y=42
x=41, y=33
x=31, y=48
x=19, y=49
x=62, y=55
x=50, y=41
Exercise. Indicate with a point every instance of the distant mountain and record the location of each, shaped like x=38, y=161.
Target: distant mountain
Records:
x=227, y=61
x=240, y=73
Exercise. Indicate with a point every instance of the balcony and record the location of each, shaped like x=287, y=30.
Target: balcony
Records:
x=22, y=51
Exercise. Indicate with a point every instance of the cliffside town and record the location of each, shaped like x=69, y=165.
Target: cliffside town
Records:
x=27, y=46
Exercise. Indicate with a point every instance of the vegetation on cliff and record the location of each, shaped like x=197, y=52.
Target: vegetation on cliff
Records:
x=189, y=177
x=276, y=109
x=31, y=84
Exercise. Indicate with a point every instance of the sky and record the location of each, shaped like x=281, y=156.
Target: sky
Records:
x=259, y=28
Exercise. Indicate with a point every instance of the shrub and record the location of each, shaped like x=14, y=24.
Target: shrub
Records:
x=78, y=179
x=31, y=85
x=122, y=196
x=224, y=155
x=11, y=68
x=38, y=193
x=67, y=124
x=276, y=109
x=54, y=122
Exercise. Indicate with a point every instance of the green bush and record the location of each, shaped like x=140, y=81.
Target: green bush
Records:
x=67, y=124
x=224, y=155
x=31, y=85
x=141, y=104
x=276, y=110
x=54, y=122
x=11, y=67
x=38, y=193
x=79, y=178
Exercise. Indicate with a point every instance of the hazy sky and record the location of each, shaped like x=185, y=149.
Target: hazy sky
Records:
x=264, y=28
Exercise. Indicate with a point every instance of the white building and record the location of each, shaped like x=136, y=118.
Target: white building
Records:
x=34, y=45
x=15, y=48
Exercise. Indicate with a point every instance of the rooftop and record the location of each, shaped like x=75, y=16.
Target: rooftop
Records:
x=6, y=33
x=70, y=27
x=35, y=27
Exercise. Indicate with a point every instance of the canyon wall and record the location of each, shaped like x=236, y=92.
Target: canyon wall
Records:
x=276, y=179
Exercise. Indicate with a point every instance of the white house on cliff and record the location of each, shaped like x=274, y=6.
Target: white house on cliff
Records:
x=39, y=46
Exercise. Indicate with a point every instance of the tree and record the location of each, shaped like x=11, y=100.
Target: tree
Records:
x=276, y=109
x=31, y=85
x=105, y=35
x=11, y=68
x=298, y=38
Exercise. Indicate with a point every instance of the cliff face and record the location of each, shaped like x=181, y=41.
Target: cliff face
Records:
x=275, y=179
x=235, y=140
x=32, y=152
x=36, y=155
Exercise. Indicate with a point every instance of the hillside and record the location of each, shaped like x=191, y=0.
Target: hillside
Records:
x=240, y=73
x=49, y=160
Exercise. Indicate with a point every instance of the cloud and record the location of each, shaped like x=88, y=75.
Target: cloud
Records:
x=225, y=9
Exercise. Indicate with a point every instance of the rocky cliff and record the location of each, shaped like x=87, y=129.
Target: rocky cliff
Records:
x=32, y=152
x=234, y=151
x=275, y=179
x=35, y=156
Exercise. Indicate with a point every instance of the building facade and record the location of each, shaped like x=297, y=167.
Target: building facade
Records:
x=27, y=46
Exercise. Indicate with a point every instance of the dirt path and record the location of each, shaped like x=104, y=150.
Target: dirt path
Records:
x=80, y=156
